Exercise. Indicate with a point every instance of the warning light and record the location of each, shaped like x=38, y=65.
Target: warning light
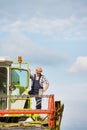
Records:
x=19, y=59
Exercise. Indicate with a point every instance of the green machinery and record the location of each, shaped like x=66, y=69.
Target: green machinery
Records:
x=14, y=87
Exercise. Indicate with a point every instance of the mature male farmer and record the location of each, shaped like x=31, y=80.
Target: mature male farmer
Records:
x=39, y=82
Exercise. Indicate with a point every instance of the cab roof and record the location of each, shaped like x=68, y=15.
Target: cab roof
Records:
x=4, y=60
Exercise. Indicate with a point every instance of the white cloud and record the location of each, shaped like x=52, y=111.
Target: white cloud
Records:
x=68, y=27
x=17, y=43
x=80, y=65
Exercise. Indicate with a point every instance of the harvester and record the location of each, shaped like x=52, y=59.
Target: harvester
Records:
x=14, y=87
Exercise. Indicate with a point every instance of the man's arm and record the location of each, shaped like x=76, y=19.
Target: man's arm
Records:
x=46, y=84
x=46, y=87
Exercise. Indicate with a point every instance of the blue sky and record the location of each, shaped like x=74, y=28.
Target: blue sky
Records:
x=52, y=34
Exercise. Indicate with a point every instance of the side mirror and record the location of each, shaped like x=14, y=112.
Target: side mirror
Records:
x=12, y=87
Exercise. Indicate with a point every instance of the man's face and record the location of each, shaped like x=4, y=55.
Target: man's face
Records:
x=38, y=73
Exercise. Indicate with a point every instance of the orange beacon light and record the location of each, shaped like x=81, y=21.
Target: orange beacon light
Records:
x=19, y=59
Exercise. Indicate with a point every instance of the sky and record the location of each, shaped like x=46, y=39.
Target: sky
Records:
x=51, y=34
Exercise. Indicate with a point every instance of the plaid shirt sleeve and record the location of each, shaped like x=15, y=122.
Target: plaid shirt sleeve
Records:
x=43, y=80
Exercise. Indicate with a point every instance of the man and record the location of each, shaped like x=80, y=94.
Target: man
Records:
x=39, y=82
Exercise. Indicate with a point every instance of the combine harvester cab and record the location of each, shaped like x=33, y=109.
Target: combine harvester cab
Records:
x=14, y=87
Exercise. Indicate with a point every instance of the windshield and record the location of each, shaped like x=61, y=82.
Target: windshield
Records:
x=3, y=80
x=19, y=79
x=3, y=87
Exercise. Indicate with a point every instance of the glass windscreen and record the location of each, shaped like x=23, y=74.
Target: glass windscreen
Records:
x=19, y=81
x=3, y=87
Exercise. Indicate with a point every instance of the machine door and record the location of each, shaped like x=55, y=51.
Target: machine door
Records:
x=3, y=88
x=19, y=84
